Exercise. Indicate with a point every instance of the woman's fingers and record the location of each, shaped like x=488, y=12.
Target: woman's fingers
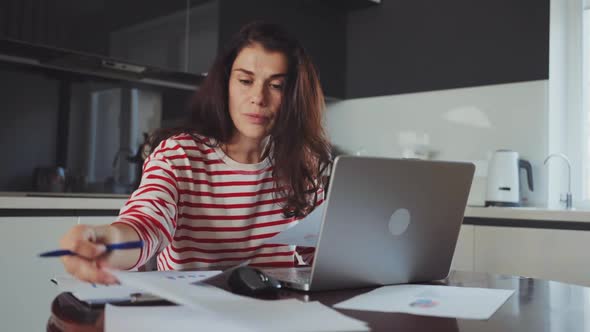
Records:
x=87, y=243
x=91, y=258
x=88, y=270
x=87, y=249
x=77, y=233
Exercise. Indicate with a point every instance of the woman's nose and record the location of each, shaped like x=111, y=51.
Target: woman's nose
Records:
x=258, y=95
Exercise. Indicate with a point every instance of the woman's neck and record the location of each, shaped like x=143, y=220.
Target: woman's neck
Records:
x=244, y=150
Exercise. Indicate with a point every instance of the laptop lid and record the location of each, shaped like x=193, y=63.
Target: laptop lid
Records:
x=390, y=221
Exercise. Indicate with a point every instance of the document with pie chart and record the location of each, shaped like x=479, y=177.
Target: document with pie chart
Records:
x=429, y=300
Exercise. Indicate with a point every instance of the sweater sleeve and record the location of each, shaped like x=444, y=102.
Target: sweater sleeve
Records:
x=152, y=209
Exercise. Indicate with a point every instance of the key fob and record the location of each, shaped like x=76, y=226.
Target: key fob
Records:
x=251, y=282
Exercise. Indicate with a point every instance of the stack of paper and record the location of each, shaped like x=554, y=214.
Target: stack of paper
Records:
x=205, y=305
x=100, y=294
x=427, y=300
x=165, y=318
x=279, y=315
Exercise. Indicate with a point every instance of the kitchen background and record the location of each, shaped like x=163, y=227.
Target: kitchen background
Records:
x=452, y=80
x=81, y=81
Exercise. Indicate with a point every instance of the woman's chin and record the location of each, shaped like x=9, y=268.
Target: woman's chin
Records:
x=254, y=134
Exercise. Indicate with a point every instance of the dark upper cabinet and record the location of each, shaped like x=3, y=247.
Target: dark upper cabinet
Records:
x=178, y=35
x=365, y=49
x=203, y=35
x=152, y=32
x=361, y=48
x=146, y=32
x=421, y=45
x=319, y=25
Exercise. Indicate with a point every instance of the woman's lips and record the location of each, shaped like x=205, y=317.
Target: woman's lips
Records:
x=257, y=118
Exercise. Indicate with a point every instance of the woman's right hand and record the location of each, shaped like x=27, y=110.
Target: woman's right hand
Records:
x=88, y=242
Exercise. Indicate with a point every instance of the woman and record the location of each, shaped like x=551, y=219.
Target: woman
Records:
x=245, y=167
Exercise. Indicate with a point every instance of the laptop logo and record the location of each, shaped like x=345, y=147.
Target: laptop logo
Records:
x=399, y=222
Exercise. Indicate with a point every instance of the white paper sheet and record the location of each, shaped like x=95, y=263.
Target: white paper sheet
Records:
x=427, y=300
x=166, y=318
x=96, y=293
x=271, y=315
x=93, y=293
x=198, y=296
x=286, y=315
x=304, y=233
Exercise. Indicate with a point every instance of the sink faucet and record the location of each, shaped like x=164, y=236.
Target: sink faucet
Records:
x=568, y=195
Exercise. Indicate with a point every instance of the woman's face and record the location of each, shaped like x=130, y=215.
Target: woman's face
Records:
x=256, y=87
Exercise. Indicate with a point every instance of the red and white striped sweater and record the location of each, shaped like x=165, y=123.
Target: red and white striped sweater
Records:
x=197, y=208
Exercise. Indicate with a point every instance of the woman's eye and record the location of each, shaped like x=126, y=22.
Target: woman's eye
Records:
x=245, y=82
x=276, y=86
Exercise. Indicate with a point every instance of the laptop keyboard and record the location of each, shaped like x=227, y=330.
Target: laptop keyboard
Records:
x=300, y=275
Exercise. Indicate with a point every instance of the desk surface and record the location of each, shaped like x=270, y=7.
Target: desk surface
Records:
x=537, y=305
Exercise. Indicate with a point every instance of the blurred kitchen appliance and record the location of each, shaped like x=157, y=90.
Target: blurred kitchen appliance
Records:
x=49, y=179
x=503, y=187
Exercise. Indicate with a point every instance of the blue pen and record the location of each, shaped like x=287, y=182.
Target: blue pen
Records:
x=110, y=247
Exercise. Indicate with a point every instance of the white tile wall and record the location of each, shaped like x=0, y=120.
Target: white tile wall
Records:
x=456, y=124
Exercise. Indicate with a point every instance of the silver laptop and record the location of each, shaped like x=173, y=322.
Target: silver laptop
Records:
x=387, y=221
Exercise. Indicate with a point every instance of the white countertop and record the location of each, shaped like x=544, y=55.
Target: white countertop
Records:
x=115, y=203
x=528, y=213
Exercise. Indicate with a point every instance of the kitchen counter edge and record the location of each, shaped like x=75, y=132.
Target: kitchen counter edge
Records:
x=115, y=204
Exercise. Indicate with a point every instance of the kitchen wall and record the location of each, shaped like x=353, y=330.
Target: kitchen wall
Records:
x=456, y=80
x=456, y=124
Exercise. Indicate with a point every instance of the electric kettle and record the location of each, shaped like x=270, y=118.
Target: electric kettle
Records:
x=503, y=188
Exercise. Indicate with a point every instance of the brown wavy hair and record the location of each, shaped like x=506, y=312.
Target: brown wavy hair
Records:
x=300, y=151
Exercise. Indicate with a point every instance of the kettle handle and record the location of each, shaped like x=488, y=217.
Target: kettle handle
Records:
x=529, y=171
